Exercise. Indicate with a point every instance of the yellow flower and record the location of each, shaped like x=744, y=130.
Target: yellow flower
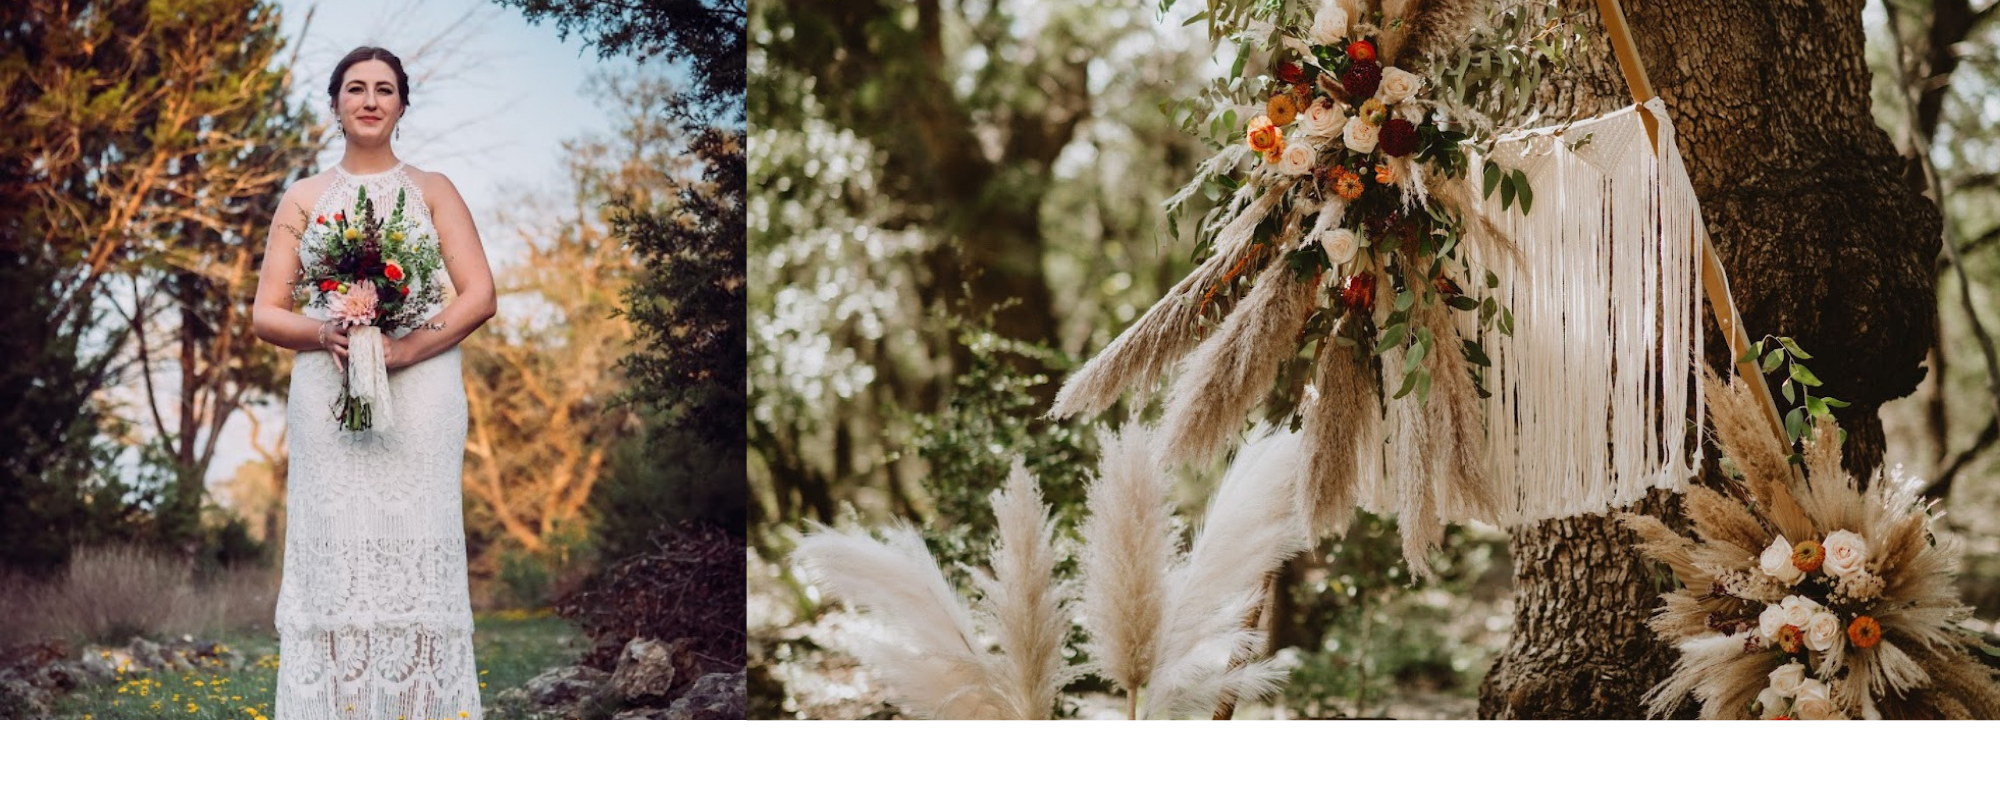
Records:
x=463, y=715
x=352, y=234
x=86, y=716
x=396, y=236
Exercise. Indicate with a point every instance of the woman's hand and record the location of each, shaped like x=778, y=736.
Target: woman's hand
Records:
x=335, y=340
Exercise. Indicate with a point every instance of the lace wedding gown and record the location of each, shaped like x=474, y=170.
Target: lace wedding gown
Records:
x=373, y=617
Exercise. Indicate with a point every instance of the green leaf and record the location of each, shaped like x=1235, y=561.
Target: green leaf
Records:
x=1803, y=375
x=1414, y=356
x=1492, y=280
x=1463, y=303
x=1832, y=403
x=1797, y=351
x=1507, y=190
x=1772, y=360
x=1476, y=354
x=1752, y=353
x=1795, y=424
x=1507, y=321
x=1424, y=387
x=1817, y=407
x=1786, y=388
x=1492, y=179
x=1390, y=338
x=1409, y=382
x=1404, y=299
x=1526, y=194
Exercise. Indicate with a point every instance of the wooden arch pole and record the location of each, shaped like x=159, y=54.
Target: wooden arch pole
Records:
x=1714, y=282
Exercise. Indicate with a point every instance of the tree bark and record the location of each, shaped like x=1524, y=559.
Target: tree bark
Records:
x=1823, y=241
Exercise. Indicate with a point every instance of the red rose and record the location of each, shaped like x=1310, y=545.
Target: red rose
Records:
x=339, y=217
x=1361, y=50
x=321, y=220
x=329, y=285
x=392, y=272
x=1291, y=72
x=405, y=290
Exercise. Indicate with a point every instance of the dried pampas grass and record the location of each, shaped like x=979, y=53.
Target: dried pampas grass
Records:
x=1128, y=547
x=1225, y=378
x=1335, y=426
x=931, y=653
x=1809, y=597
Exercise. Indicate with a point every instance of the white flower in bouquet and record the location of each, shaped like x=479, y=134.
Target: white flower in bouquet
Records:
x=1330, y=24
x=1341, y=245
x=1799, y=611
x=1773, y=703
x=1412, y=113
x=1814, y=702
x=1846, y=554
x=1298, y=159
x=1397, y=86
x=1776, y=561
x=1822, y=631
x=1770, y=621
x=1787, y=679
x=1360, y=136
x=1322, y=119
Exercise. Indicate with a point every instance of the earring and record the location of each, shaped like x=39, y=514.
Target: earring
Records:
x=399, y=133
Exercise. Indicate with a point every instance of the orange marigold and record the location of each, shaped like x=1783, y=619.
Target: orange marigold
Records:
x=1346, y=184
x=1864, y=631
x=1282, y=109
x=1263, y=136
x=1808, y=556
x=1790, y=638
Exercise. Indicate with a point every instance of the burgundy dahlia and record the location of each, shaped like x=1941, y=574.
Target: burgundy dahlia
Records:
x=1361, y=79
x=1399, y=138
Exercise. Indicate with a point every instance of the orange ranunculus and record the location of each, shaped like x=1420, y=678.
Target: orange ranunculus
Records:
x=1385, y=173
x=1864, y=631
x=1346, y=184
x=1808, y=556
x=392, y=271
x=1264, y=136
x=1282, y=109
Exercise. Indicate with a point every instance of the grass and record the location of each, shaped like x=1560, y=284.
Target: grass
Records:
x=510, y=648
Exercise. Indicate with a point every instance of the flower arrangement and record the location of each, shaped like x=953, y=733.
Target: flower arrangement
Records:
x=1803, y=596
x=1331, y=270
x=373, y=276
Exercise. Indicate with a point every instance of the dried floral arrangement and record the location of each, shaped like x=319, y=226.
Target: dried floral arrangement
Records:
x=1804, y=596
x=1332, y=264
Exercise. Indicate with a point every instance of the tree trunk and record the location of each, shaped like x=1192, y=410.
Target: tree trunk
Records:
x=1823, y=241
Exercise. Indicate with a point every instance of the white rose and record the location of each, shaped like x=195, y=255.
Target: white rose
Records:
x=1769, y=622
x=1360, y=136
x=1298, y=159
x=1814, y=702
x=1846, y=554
x=1787, y=679
x=1330, y=24
x=1323, y=118
x=1340, y=244
x=1773, y=703
x=1799, y=611
x=1776, y=561
x=1822, y=631
x=1412, y=113
x=1396, y=86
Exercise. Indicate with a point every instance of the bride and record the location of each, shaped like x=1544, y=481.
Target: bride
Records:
x=373, y=616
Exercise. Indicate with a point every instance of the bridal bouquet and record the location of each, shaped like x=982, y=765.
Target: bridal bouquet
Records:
x=373, y=277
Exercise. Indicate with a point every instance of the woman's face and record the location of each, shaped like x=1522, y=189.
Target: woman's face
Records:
x=369, y=104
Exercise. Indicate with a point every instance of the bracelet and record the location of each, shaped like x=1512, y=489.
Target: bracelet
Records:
x=322, y=334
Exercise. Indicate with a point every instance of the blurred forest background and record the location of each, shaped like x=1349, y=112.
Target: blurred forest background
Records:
x=147, y=143
x=956, y=203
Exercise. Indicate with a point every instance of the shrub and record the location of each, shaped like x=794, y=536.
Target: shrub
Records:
x=690, y=585
x=115, y=592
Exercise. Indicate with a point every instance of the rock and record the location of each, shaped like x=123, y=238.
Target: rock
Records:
x=717, y=695
x=645, y=671
x=106, y=664
x=573, y=692
x=22, y=699
x=145, y=655
x=643, y=713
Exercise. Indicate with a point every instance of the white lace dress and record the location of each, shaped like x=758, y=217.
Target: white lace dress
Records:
x=373, y=617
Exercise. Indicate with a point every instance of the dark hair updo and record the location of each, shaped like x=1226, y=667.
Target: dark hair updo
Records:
x=360, y=54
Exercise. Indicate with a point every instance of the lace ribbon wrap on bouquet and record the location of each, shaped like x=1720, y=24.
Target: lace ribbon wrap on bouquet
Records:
x=368, y=378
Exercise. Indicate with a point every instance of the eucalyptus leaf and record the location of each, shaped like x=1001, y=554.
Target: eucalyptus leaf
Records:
x=1803, y=375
